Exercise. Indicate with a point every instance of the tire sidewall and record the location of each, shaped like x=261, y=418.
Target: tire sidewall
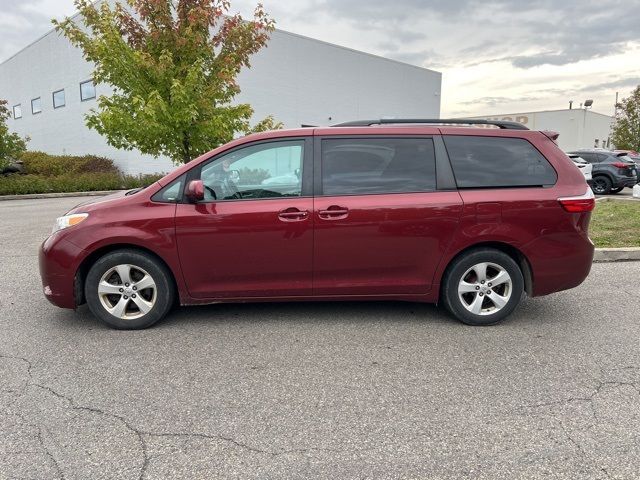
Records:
x=607, y=183
x=159, y=273
x=468, y=260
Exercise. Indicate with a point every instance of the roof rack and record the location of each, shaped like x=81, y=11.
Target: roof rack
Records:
x=439, y=121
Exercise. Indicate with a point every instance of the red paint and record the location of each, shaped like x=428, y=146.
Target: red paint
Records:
x=386, y=244
x=245, y=248
x=345, y=247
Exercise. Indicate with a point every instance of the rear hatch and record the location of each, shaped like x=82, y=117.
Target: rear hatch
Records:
x=626, y=166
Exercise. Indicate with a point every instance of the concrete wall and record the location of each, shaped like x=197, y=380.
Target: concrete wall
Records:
x=578, y=128
x=297, y=79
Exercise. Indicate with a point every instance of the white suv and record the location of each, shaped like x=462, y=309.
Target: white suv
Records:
x=584, y=166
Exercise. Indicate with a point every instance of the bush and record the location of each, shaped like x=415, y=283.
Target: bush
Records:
x=71, y=182
x=66, y=173
x=40, y=163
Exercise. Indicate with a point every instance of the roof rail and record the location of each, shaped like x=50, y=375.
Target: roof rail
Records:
x=439, y=121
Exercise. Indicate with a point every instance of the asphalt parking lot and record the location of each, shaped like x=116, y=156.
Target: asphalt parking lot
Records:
x=330, y=390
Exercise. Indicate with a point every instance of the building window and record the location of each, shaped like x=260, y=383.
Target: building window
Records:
x=36, y=105
x=17, y=111
x=87, y=90
x=58, y=99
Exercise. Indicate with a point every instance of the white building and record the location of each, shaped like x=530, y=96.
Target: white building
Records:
x=578, y=127
x=298, y=80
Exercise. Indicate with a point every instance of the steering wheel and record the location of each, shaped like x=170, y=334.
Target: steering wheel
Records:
x=231, y=187
x=212, y=192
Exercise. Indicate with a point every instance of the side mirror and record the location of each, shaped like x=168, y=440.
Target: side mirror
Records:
x=195, y=191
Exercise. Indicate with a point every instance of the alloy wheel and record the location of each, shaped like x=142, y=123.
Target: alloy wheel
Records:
x=127, y=291
x=599, y=186
x=485, y=288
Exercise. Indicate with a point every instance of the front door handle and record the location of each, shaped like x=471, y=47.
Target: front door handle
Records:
x=334, y=212
x=293, y=214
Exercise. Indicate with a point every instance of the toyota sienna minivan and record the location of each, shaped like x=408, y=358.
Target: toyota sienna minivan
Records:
x=438, y=211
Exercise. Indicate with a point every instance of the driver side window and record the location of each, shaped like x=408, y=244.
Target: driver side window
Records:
x=266, y=170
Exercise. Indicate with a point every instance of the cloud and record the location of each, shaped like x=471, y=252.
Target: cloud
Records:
x=547, y=31
x=23, y=21
x=495, y=55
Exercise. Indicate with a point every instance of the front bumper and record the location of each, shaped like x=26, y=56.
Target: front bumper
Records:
x=59, y=260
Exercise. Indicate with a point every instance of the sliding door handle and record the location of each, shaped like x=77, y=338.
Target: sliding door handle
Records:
x=334, y=212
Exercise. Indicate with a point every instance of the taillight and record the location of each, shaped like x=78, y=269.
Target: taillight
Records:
x=582, y=204
x=620, y=165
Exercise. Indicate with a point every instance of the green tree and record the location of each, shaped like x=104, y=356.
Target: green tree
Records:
x=173, y=66
x=11, y=144
x=626, y=127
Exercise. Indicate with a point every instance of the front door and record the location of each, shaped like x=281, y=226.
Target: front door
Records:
x=252, y=236
x=381, y=226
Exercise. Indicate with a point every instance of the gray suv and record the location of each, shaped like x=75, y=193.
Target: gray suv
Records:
x=611, y=171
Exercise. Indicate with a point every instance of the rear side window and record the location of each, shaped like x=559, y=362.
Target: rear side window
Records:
x=359, y=166
x=589, y=157
x=480, y=162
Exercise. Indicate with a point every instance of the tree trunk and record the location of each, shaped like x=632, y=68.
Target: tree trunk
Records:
x=186, y=148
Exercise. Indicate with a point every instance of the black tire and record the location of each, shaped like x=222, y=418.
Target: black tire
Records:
x=162, y=294
x=617, y=190
x=458, y=269
x=601, y=185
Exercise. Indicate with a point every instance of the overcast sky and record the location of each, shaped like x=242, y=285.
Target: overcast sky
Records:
x=496, y=56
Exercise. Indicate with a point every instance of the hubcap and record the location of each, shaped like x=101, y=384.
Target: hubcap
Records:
x=127, y=292
x=485, y=288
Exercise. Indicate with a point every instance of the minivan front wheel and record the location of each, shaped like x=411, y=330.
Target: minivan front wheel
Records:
x=129, y=289
x=483, y=286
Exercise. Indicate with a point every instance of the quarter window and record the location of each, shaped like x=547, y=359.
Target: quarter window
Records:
x=480, y=162
x=269, y=170
x=17, y=111
x=36, y=106
x=359, y=166
x=58, y=99
x=87, y=90
x=171, y=193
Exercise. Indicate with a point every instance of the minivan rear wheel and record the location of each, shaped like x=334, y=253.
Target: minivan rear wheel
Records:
x=482, y=287
x=129, y=289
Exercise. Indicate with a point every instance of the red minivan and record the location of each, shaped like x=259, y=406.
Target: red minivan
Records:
x=417, y=210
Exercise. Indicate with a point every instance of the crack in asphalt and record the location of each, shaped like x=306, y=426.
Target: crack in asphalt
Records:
x=589, y=399
x=40, y=439
x=48, y=452
x=144, y=448
x=583, y=453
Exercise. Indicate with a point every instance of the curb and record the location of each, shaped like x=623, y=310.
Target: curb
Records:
x=625, y=254
x=35, y=196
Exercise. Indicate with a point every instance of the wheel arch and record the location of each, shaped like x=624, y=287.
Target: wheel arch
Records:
x=603, y=173
x=517, y=255
x=89, y=260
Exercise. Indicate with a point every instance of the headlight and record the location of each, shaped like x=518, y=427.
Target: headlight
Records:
x=68, y=221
